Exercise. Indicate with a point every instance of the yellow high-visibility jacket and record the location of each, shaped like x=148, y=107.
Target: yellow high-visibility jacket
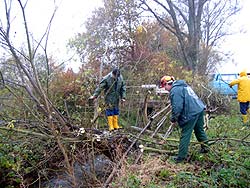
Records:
x=243, y=87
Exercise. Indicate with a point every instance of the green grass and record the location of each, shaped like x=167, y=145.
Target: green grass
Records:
x=226, y=165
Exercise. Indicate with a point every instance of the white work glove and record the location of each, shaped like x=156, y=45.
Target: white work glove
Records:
x=91, y=100
x=92, y=97
x=123, y=101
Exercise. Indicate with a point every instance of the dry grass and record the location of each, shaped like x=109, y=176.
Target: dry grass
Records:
x=149, y=169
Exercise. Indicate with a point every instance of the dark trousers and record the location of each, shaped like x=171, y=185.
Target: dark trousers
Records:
x=244, y=107
x=112, y=111
x=195, y=125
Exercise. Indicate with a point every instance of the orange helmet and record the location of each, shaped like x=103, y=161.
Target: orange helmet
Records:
x=166, y=80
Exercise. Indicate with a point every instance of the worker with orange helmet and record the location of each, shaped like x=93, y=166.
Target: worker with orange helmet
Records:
x=165, y=80
x=188, y=112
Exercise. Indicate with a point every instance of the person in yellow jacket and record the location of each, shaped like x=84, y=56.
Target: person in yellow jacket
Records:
x=243, y=94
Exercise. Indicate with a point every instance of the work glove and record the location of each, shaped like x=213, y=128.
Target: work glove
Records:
x=91, y=100
x=92, y=97
x=123, y=101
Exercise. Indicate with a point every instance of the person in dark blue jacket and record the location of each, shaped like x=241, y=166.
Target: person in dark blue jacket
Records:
x=188, y=112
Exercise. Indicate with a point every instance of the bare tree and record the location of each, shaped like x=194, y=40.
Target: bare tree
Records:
x=24, y=59
x=197, y=24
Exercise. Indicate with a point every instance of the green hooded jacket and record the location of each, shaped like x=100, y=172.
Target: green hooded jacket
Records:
x=185, y=103
x=114, y=89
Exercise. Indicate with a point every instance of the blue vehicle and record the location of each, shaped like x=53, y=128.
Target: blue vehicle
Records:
x=220, y=83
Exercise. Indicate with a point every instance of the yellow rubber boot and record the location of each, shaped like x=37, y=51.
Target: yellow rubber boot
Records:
x=115, y=121
x=244, y=119
x=111, y=123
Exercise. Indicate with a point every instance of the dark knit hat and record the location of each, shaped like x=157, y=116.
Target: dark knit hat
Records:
x=116, y=72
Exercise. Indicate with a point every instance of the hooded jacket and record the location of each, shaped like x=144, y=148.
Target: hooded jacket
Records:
x=243, y=87
x=114, y=89
x=185, y=103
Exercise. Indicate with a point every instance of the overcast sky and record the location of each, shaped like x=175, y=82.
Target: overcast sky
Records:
x=68, y=21
x=71, y=15
x=239, y=43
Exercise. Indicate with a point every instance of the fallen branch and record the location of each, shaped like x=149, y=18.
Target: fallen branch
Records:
x=170, y=130
x=150, y=140
x=213, y=141
x=150, y=149
x=147, y=131
x=28, y=132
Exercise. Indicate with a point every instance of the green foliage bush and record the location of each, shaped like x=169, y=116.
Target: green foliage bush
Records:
x=18, y=158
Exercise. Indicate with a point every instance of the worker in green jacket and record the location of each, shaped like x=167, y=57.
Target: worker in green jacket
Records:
x=243, y=96
x=188, y=112
x=114, y=89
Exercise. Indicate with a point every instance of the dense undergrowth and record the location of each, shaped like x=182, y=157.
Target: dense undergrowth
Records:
x=226, y=165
